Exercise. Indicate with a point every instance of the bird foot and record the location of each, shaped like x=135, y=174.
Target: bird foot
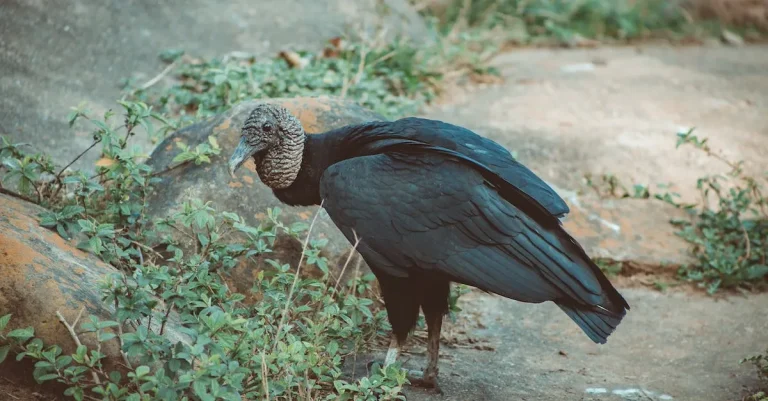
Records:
x=424, y=379
x=417, y=377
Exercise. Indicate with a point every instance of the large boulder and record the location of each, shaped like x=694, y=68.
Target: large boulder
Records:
x=42, y=274
x=52, y=58
x=246, y=195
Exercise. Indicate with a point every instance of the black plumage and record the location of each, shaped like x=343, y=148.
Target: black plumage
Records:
x=435, y=203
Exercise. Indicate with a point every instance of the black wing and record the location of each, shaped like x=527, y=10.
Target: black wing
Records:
x=435, y=213
x=370, y=138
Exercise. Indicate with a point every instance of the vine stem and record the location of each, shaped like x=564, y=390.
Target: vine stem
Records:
x=58, y=176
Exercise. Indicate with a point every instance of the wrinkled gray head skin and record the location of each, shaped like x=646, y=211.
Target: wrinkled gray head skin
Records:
x=275, y=139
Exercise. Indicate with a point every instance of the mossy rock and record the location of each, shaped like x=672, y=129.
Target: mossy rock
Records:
x=245, y=194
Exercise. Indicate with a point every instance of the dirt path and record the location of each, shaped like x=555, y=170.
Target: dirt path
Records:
x=615, y=111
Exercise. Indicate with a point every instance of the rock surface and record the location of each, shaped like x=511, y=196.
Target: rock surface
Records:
x=43, y=274
x=617, y=110
x=634, y=231
x=246, y=195
x=671, y=346
x=52, y=58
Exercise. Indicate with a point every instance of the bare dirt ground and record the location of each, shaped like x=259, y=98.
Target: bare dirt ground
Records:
x=613, y=110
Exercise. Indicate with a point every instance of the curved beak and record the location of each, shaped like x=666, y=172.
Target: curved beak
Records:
x=243, y=151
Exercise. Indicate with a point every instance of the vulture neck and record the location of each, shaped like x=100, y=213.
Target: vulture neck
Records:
x=320, y=152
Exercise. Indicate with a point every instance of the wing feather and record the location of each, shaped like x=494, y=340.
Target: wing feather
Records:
x=436, y=214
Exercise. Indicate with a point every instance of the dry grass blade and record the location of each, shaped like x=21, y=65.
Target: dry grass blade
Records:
x=349, y=258
x=295, y=278
x=264, y=381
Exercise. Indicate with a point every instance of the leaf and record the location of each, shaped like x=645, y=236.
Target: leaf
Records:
x=142, y=371
x=184, y=157
x=70, y=179
x=170, y=55
x=757, y=271
x=4, y=321
x=63, y=361
x=12, y=163
x=213, y=142
x=4, y=352
x=48, y=377
x=70, y=211
x=22, y=335
x=332, y=348
x=105, y=162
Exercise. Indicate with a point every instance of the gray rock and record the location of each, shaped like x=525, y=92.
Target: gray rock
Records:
x=732, y=38
x=52, y=58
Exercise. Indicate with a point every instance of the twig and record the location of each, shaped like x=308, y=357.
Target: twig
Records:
x=58, y=176
x=295, y=278
x=120, y=340
x=158, y=77
x=460, y=19
x=156, y=173
x=165, y=319
x=349, y=258
x=77, y=342
x=16, y=195
x=79, y=315
x=356, y=79
x=139, y=244
x=747, y=242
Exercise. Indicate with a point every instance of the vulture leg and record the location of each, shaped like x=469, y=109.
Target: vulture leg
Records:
x=402, y=303
x=433, y=349
x=393, y=352
x=435, y=306
x=428, y=378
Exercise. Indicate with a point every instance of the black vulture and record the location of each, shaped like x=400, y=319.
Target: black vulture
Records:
x=433, y=203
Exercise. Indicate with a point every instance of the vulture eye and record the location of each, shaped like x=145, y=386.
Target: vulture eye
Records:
x=267, y=127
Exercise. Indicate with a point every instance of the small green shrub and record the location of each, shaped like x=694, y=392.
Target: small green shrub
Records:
x=727, y=238
x=564, y=20
x=393, y=78
x=760, y=362
x=572, y=21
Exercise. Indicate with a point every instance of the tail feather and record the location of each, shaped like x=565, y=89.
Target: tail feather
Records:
x=598, y=324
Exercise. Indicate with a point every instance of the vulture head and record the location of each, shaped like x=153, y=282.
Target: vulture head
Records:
x=275, y=140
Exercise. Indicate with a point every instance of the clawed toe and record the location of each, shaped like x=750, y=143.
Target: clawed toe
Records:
x=420, y=379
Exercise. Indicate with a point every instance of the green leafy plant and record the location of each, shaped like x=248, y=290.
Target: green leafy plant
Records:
x=575, y=22
x=200, y=154
x=393, y=78
x=728, y=238
x=760, y=362
x=291, y=344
